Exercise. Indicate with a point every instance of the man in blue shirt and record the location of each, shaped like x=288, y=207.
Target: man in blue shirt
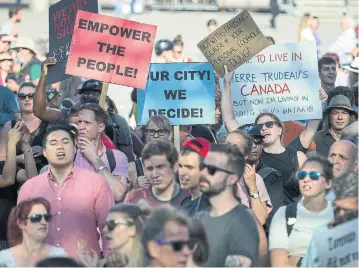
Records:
x=8, y=106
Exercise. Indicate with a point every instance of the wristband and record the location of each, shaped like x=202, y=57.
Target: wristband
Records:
x=100, y=168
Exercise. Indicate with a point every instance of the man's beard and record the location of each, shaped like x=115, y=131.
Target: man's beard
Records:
x=214, y=190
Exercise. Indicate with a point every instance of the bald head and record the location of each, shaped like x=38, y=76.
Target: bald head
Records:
x=343, y=155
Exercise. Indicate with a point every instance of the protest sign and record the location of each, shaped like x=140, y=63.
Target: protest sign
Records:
x=338, y=247
x=183, y=92
x=233, y=43
x=283, y=80
x=111, y=49
x=62, y=16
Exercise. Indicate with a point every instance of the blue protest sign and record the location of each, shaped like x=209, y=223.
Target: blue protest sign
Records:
x=183, y=92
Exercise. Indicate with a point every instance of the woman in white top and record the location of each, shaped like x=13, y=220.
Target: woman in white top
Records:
x=27, y=230
x=313, y=211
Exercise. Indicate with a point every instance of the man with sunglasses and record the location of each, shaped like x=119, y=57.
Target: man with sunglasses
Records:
x=166, y=238
x=231, y=228
x=191, y=157
x=160, y=161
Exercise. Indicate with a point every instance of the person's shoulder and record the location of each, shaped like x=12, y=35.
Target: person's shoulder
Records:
x=118, y=153
x=6, y=258
x=37, y=180
x=4, y=253
x=7, y=91
x=119, y=120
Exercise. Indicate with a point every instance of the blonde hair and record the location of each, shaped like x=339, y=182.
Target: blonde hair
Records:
x=302, y=25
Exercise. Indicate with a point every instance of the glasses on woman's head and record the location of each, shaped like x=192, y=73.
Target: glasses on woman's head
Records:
x=36, y=218
x=213, y=169
x=111, y=225
x=268, y=124
x=23, y=96
x=313, y=175
x=178, y=245
x=159, y=132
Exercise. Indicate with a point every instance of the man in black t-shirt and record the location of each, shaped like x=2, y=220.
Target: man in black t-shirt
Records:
x=191, y=156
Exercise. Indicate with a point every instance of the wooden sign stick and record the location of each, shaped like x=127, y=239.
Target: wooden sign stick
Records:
x=103, y=96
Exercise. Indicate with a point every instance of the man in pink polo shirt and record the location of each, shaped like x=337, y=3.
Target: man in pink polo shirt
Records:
x=80, y=199
x=160, y=166
x=93, y=155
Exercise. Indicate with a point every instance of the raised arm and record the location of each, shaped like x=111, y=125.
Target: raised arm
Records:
x=226, y=103
x=40, y=110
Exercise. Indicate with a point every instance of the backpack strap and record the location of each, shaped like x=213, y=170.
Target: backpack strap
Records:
x=266, y=171
x=111, y=159
x=290, y=216
x=139, y=168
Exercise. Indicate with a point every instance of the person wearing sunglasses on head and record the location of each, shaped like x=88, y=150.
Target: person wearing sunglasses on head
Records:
x=166, y=238
x=36, y=127
x=27, y=231
x=231, y=227
x=123, y=229
x=293, y=225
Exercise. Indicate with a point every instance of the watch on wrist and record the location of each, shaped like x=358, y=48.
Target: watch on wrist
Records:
x=255, y=195
x=100, y=168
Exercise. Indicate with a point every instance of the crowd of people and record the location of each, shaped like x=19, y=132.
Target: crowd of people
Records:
x=79, y=187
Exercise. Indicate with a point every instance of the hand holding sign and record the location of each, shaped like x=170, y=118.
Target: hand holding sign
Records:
x=46, y=63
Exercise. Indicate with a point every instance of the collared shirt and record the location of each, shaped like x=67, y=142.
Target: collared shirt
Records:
x=79, y=207
x=121, y=168
x=323, y=140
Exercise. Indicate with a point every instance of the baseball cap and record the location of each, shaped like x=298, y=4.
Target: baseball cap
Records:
x=253, y=130
x=199, y=145
x=92, y=84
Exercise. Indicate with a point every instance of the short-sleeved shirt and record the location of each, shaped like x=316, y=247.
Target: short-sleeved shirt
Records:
x=7, y=259
x=234, y=233
x=324, y=140
x=305, y=225
x=147, y=194
x=192, y=207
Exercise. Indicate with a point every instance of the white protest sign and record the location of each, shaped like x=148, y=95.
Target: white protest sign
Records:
x=338, y=247
x=283, y=80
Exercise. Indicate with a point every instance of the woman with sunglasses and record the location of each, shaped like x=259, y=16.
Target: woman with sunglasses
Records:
x=36, y=127
x=27, y=231
x=123, y=229
x=293, y=226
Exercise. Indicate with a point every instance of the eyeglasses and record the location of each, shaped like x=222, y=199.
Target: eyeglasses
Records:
x=178, y=245
x=35, y=218
x=268, y=124
x=313, y=175
x=160, y=132
x=257, y=141
x=23, y=96
x=213, y=169
x=111, y=225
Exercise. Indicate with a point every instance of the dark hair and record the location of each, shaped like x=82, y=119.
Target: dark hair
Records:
x=332, y=55
x=346, y=186
x=341, y=91
x=178, y=41
x=326, y=61
x=58, y=262
x=160, y=147
x=211, y=22
x=13, y=11
x=100, y=114
x=270, y=39
x=154, y=228
x=26, y=84
x=188, y=150
x=248, y=140
x=20, y=213
x=19, y=78
x=327, y=167
x=275, y=119
x=63, y=125
x=198, y=233
x=235, y=159
x=134, y=95
x=160, y=121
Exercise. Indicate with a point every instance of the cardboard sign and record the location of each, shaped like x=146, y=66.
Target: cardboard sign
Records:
x=110, y=49
x=338, y=247
x=233, y=43
x=283, y=80
x=62, y=17
x=183, y=92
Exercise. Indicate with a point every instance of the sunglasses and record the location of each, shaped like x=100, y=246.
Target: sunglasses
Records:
x=23, y=96
x=36, y=218
x=268, y=124
x=257, y=141
x=213, y=169
x=177, y=246
x=313, y=175
x=111, y=225
x=160, y=132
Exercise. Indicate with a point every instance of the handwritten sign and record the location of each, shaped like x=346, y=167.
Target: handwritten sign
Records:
x=62, y=18
x=110, y=49
x=283, y=80
x=183, y=92
x=338, y=247
x=233, y=43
